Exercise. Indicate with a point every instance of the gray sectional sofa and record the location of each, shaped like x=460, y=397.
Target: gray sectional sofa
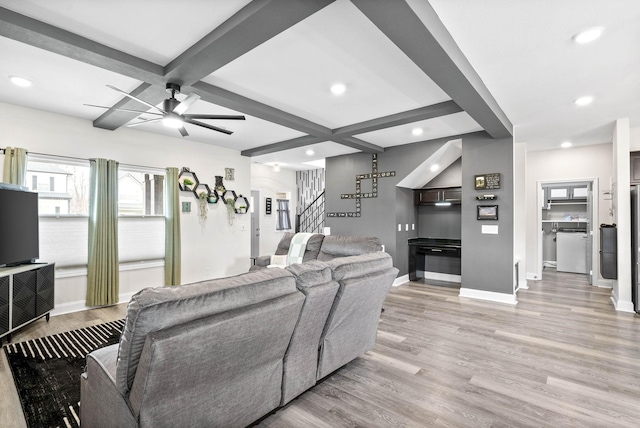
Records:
x=226, y=352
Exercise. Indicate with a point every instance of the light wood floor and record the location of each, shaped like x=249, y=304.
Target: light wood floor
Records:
x=561, y=357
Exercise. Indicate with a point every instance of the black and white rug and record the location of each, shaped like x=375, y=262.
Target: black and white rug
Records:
x=47, y=372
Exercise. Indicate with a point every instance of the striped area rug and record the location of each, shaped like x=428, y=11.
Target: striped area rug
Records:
x=47, y=372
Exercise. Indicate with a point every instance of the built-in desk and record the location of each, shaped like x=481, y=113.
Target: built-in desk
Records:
x=437, y=255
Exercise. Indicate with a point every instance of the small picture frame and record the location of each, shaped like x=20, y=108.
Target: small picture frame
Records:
x=267, y=206
x=480, y=182
x=487, y=212
x=229, y=174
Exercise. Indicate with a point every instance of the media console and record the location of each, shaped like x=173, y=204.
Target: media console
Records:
x=26, y=294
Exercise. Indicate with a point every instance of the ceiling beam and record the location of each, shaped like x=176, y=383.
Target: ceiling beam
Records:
x=411, y=116
x=254, y=24
x=294, y=143
x=358, y=144
x=426, y=41
x=53, y=39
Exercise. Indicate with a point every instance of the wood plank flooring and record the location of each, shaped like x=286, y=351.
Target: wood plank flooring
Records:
x=561, y=357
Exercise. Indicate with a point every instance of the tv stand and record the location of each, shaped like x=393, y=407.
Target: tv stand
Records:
x=26, y=294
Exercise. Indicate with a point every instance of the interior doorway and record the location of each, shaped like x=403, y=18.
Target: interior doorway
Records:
x=566, y=217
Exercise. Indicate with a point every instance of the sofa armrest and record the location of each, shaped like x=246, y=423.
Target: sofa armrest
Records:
x=263, y=261
x=101, y=404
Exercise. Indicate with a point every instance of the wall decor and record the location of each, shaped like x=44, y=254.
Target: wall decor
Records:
x=374, y=175
x=186, y=207
x=229, y=173
x=219, y=186
x=487, y=181
x=267, y=206
x=487, y=212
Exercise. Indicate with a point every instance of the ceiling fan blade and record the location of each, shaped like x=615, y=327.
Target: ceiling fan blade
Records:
x=125, y=110
x=137, y=99
x=183, y=131
x=214, y=116
x=206, y=125
x=188, y=102
x=145, y=121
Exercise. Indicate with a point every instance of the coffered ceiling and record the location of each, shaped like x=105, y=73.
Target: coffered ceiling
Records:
x=447, y=67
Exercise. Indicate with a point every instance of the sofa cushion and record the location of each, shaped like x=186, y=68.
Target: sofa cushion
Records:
x=343, y=246
x=154, y=309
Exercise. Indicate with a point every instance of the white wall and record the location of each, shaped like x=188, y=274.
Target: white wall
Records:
x=269, y=182
x=587, y=162
x=622, y=214
x=519, y=211
x=210, y=250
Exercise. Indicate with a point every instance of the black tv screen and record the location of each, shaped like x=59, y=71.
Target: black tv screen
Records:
x=18, y=226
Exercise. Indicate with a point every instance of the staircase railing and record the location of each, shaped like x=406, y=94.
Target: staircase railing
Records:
x=311, y=219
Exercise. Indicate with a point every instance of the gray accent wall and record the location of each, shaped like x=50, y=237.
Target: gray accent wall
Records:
x=379, y=216
x=487, y=260
x=440, y=222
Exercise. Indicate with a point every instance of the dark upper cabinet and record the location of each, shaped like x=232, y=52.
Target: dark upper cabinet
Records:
x=431, y=196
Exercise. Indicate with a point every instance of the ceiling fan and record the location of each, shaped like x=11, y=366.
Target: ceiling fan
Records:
x=173, y=112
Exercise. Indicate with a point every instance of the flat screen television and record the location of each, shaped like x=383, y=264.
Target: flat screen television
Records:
x=18, y=226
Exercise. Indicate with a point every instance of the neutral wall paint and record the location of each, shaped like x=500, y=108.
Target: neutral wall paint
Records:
x=577, y=163
x=450, y=177
x=269, y=182
x=440, y=222
x=209, y=250
x=520, y=212
x=622, y=214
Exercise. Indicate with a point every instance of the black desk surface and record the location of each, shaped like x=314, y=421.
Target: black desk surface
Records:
x=440, y=242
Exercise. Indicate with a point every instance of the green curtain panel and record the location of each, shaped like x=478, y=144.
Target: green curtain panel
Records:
x=173, y=253
x=15, y=165
x=103, y=282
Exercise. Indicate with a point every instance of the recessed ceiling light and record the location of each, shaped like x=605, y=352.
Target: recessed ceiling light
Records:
x=566, y=145
x=434, y=167
x=583, y=101
x=338, y=88
x=23, y=82
x=588, y=35
x=276, y=167
x=417, y=131
x=310, y=152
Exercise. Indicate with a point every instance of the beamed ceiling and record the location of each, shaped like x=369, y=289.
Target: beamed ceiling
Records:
x=404, y=64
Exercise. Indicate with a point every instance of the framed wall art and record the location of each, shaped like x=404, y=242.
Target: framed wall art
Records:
x=487, y=212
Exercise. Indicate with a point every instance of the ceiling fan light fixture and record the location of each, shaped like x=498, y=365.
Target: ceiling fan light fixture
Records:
x=172, y=121
x=23, y=82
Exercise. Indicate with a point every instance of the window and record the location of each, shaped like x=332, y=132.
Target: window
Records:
x=62, y=185
x=140, y=191
x=63, y=193
x=284, y=217
x=141, y=213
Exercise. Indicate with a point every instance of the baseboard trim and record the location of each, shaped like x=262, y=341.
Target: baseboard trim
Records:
x=604, y=283
x=622, y=306
x=79, y=305
x=400, y=280
x=532, y=276
x=523, y=285
x=488, y=295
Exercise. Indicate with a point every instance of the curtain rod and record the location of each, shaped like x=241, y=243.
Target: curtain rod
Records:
x=4, y=150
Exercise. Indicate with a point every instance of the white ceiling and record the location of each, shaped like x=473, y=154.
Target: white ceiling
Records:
x=521, y=50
